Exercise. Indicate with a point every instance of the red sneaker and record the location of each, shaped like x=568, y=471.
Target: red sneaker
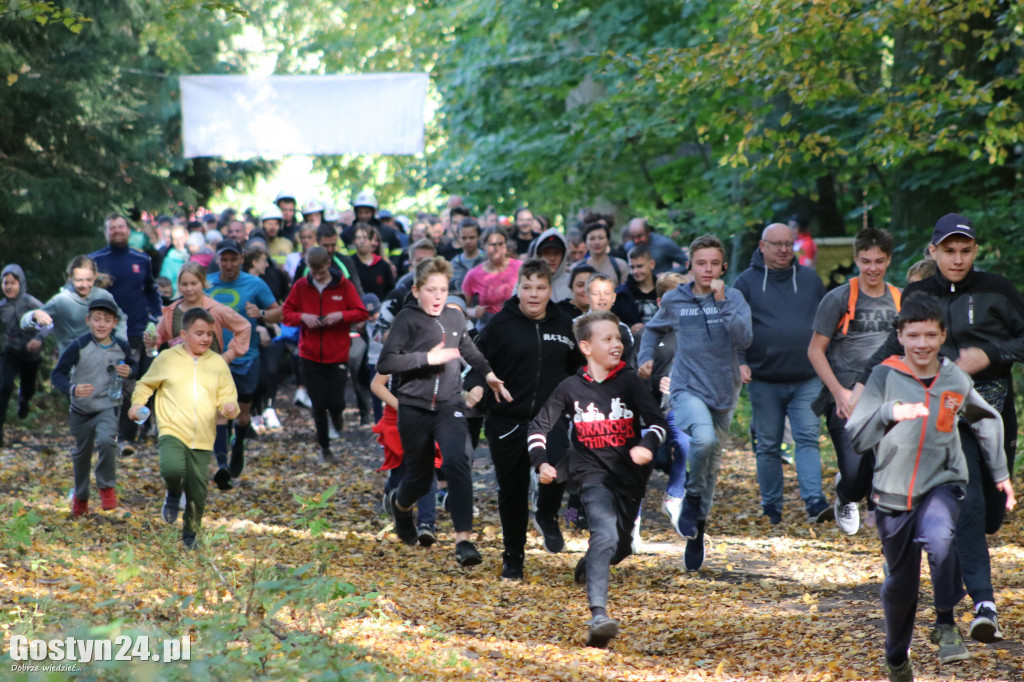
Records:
x=108, y=498
x=79, y=507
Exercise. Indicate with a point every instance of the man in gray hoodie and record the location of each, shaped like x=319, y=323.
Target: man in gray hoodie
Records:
x=783, y=297
x=712, y=323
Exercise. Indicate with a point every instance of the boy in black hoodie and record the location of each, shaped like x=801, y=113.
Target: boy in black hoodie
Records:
x=617, y=427
x=530, y=341
x=21, y=347
x=424, y=347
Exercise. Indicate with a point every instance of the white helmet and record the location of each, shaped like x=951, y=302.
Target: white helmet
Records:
x=284, y=195
x=365, y=198
x=272, y=213
x=312, y=206
x=331, y=214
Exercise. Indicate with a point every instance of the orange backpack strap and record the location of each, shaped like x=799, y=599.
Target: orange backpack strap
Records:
x=851, y=307
x=896, y=294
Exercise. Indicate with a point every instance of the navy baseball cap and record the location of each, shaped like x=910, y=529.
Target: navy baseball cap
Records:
x=226, y=245
x=950, y=224
x=104, y=304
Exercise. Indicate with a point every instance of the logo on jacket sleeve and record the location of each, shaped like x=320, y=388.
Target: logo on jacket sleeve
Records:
x=949, y=406
x=136, y=268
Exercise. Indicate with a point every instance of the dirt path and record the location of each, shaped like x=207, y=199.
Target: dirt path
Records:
x=791, y=601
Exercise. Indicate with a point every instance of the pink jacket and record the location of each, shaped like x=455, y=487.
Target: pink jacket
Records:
x=223, y=318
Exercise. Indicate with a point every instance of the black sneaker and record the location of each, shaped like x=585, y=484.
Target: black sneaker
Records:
x=188, y=540
x=821, y=514
x=466, y=554
x=404, y=523
x=425, y=534
x=985, y=626
x=169, y=512
x=601, y=630
x=550, y=533
x=326, y=456
x=512, y=566
x=580, y=574
x=223, y=479
x=693, y=556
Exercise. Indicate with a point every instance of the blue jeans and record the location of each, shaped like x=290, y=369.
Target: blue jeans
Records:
x=676, y=448
x=706, y=428
x=771, y=403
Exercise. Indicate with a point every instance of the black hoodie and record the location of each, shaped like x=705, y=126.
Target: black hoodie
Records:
x=609, y=418
x=532, y=356
x=412, y=335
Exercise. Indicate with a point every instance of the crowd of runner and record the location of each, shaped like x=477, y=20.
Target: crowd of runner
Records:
x=586, y=358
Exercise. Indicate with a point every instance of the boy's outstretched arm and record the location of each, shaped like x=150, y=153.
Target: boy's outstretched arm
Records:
x=540, y=426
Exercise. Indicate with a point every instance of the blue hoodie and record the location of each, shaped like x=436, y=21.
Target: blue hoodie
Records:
x=709, y=334
x=782, y=307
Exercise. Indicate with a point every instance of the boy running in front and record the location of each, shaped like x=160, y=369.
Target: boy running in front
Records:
x=909, y=413
x=192, y=385
x=617, y=427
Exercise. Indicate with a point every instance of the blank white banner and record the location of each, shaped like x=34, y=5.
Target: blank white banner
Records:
x=240, y=117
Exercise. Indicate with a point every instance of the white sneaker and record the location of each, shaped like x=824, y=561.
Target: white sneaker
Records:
x=637, y=544
x=302, y=398
x=332, y=432
x=270, y=419
x=673, y=506
x=847, y=516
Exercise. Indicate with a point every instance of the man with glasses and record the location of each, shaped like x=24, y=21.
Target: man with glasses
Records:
x=783, y=297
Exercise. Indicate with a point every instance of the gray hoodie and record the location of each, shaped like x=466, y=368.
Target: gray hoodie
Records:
x=560, y=281
x=68, y=311
x=11, y=310
x=911, y=457
x=709, y=335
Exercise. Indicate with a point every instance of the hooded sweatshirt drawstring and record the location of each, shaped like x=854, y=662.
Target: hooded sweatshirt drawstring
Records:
x=764, y=280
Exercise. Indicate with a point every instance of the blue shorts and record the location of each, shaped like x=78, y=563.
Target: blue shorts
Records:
x=247, y=383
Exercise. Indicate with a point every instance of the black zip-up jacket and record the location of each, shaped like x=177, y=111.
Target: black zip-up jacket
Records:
x=609, y=418
x=984, y=310
x=412, y=335
x=532, y=357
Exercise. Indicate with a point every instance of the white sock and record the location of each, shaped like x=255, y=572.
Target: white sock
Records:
x=982, y=604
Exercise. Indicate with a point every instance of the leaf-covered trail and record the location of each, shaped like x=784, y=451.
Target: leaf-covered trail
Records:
x=792, y=602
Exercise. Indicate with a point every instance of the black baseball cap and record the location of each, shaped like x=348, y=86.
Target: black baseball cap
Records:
x=950, y=224
x=226, y=245
x=104, y=304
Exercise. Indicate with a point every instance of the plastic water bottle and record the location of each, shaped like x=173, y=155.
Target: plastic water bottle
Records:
x=116, y=383
x=151, y=331
x=142, y=415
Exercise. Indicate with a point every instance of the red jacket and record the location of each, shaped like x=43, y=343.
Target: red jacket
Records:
x=324, y=344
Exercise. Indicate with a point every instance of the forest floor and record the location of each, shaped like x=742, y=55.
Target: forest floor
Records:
x=298, y=576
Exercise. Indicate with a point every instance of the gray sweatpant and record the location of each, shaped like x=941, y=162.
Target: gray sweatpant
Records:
x=610, y=516
x=98, y=431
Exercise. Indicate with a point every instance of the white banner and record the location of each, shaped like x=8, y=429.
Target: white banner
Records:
x=239, y=117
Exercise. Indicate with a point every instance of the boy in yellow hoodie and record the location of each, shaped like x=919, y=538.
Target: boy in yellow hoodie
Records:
x=193, y=384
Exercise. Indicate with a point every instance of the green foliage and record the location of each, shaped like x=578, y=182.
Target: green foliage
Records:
x=19, y=525
x=92, y=123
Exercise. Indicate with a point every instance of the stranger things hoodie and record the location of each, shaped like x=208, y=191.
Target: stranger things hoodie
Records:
x=609, y=417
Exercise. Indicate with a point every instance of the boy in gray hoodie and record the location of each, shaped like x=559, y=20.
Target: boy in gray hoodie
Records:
x=88, y=372
x=712, y=324
x=21, y=347
x=909, y=413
